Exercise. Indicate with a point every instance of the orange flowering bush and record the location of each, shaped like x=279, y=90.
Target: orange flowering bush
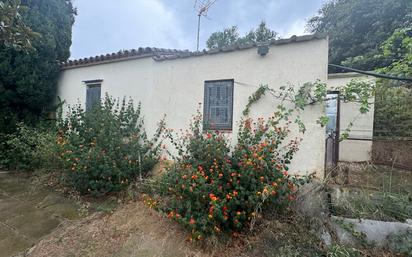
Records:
x=213, y=190
x=106, y=148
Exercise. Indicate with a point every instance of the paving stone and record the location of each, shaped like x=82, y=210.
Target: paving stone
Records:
x=11, y=243
x=28, y=213
x=34, y=224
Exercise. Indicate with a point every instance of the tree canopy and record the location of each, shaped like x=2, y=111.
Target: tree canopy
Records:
x=393, y=100
x=13, y=31
x=358, y=27
x=28, y=79
x=230, y=36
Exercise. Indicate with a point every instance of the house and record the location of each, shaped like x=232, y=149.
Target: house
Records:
x=174, y=82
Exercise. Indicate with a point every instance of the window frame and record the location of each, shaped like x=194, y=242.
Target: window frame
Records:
x=91, y=84
x=206, y=106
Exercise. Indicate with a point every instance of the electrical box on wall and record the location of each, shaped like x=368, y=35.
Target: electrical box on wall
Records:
x=263, y=50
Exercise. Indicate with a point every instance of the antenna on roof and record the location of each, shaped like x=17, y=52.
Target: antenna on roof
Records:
x=202, y=7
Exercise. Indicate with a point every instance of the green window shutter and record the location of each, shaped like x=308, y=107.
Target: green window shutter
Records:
x=93, y=96
x=218, y=105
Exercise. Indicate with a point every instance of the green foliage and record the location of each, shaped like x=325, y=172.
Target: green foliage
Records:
x=27, y=149
x=360, y=92
x=393, y=102
x=378, y=206
x=212, y=190
x=106, y=148
x=358, y=27
x=342, y=251
x=13, y=31
x=230, y=36
x=401, y=243
x=323, y=120
x=28, y=79
x=393, y=111
x=398, y=49
x=255, y=97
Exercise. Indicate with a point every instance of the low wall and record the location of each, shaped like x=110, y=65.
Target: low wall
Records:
x=355, y=150
x=396, y=152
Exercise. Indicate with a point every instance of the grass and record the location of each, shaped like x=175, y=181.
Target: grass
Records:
x=373, y=192
x=376, y=205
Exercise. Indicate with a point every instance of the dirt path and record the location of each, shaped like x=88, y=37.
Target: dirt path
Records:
x=132, y=230
x=28, y=213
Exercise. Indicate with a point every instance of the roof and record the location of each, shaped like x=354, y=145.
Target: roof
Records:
x=141, y=52
x=161, y=54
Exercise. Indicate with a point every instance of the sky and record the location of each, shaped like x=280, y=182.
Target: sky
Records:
x=106, y=26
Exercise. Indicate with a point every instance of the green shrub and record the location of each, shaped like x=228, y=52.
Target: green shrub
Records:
x=29, y=148
x=378, y=206
x=106, y=148
x=342, y=251
x=212, y=190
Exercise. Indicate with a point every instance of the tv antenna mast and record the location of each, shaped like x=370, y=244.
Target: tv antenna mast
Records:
x=202, y=7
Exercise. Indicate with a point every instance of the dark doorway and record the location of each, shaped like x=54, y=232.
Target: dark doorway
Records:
x=332, y=130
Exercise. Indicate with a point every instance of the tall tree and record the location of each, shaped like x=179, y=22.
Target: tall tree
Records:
x=28, y=79
x=13, y=31
x=223, y=38
x=357, y=27
x=230, y=36
x=393, y=100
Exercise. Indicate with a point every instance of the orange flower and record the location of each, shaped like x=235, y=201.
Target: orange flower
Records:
x=209, y=136
x=194, y=177
x=285, y=173
x=192, y=221
x=213, y=197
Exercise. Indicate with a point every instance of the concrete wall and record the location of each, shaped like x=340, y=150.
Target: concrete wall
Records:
x=175, y=87
x=358, y=147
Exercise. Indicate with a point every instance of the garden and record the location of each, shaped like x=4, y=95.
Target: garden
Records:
x=222, y=194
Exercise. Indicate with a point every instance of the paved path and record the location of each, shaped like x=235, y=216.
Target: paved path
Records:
x=28, y=213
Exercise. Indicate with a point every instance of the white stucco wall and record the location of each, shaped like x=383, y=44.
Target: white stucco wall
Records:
x=176, y=87
x=358, y=147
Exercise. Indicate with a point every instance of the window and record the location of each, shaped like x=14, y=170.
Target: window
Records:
x=218, y=105
x=93, y=93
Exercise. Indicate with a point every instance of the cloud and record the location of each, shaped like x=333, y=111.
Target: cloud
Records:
x=296, y=28
x=108, y=26
x=104, y=26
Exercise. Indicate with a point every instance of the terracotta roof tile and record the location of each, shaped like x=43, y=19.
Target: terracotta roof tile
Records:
x=238, y=47
x=162, y=54
x=124, y=54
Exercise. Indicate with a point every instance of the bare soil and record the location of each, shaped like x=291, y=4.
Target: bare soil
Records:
x=132, y=230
